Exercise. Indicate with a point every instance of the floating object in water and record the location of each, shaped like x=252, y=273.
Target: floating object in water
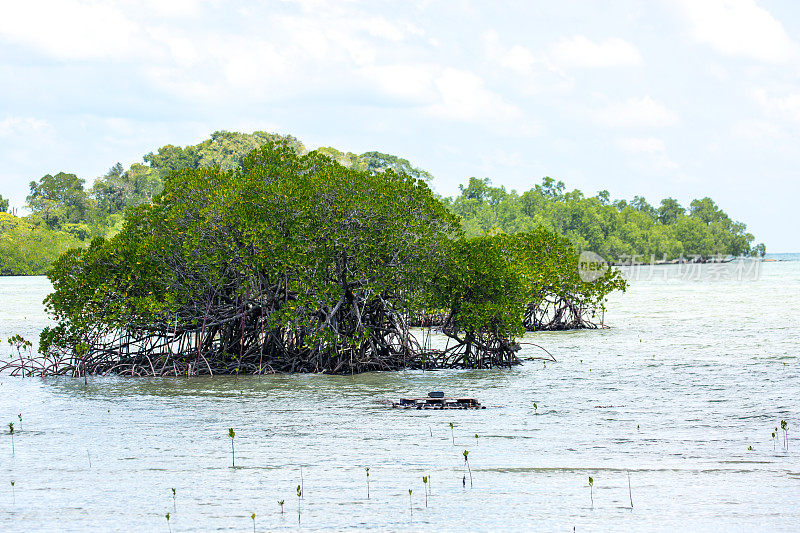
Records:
x=436, y=400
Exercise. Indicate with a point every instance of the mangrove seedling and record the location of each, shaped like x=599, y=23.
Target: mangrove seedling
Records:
x=410, y=506
x=630, y=494
x=774, y=440
x=785, y=428
x=253, y=517
x=174, y=505
x=367, y=482
x=232, y=434
x=280, y=502
x=168, y=525
x=299, y=497
x=750, y=448
x=476, y=439
x=466, y=462
x=13, y=493
x=425, y=485
x=451, y=434
x=20, y=421
x=535, y=408
x=591, y=491
x=11, y=431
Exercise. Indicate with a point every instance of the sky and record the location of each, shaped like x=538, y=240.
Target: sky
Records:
x=657, y=98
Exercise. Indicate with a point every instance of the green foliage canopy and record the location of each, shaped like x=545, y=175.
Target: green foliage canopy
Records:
x=616, y=230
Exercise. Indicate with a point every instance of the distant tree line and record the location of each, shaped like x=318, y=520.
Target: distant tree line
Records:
x=617, y=230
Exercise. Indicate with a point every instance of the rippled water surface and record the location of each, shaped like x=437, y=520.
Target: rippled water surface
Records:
x=695, y=370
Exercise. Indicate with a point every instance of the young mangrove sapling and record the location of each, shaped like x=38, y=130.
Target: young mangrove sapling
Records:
x=232, y=434
x=174, y=505
x=466, y=462
x=367, y=482
x=425, y=488
x=280, y=502
x=253, y=517
x=410, y=506
x=11, y=431
x=168, y=524
x=299, y=497
x=13, y=493
x=630, y=494
x=591, y=493
x=785, y=428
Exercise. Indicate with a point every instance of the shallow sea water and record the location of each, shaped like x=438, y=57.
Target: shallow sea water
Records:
x=696, y=368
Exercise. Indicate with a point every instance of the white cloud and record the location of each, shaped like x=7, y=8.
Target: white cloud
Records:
x=463, y=96
x=579, y=51
x=19, y=126
x=634, y=113
x=648, y=150
x=173, y=8
x=497, y=157
x=739, y=28
x=785, y=107
x=519, y=59
x=530, y=72
x=70, y=29
x=409, y=82
x=757, y=130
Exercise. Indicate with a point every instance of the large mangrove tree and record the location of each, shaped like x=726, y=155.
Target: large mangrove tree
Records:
x=296, y=263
